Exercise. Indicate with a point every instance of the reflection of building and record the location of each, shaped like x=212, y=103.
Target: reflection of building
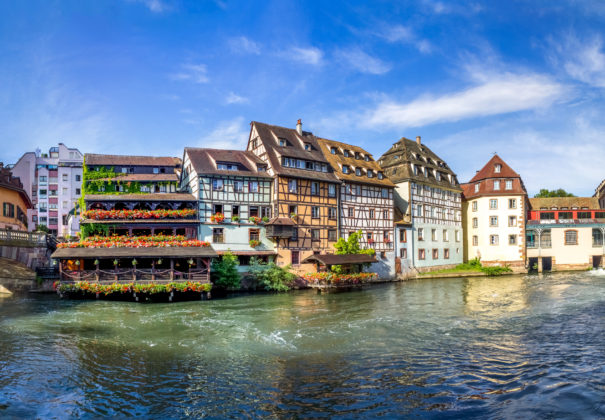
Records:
x=366, y=201
x=305, y=199
x=493, y=297
x=427, y=191
x=493, y=215
x=565, y=233
x=233, y=190
x=15, y=202
x=53, y=182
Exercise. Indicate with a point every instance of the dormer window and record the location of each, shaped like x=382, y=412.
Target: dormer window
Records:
x=497, y=168
x=358, y=171
x=426, y=172
x=333, y=150
x=438, y=176
x=476, y=187
x=261, y=168
x=496, y=185
x=366, y=158
x=283, y=142
x=415, y=167
x=346, y=153
x=308, y=147
x=345, y=169
x=380, y=175
x=356, y=155
x=370, y=173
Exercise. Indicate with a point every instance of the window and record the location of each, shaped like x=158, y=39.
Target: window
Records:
x=446, y=254
x=380, y=175
x=358, y=171
x=315, y=234
x=498, y=168
x=331, y=190
x=217, y=185
x=333, y=150
x=9, y=210
x=294, y=236
x=547, y=216
x=421, y=254
x=512, y=203
x=351, y=212
x=385, y=236
x=370, y=173
x=565, y=215
x=493, y=239
x=493, y=204
x=512, y=221
x=385, y=193
x=371, y=213
x=446, y=235
x=403, y=237
x=512, y=239
x=254, y=234
x=283, y=142
x=474, y=205
x=65, y=177
x=433, y=235
x=385, y=214
x=403, y=253
x=218, y=235
x=315, y=212
x=295, y=255
x=310, y=165
x=307, y=146
x=435, y=254
x=599, y=215
x=265, y=212
x=253, y=186
x=366, y=158
x=457, y=234
x=332, y=235
x=42, y=179
x=421, y=234
x=476, y=187
x=496, y=185
x=597, y=237
x=493, y=220
x=292, y=210
x=292, y=185
x=218, y=208
x=345, y=169
x=508, y=184
x=346, y=153
x=157, y=170
x=238, y=186
x=332, y=212
x=254, y=211
x=78, y=191
x=571, y=237
x=475, y=222
x=357, y=156
x=261, y=168
x=234, y=211
x=314, y=188
x=584, y=215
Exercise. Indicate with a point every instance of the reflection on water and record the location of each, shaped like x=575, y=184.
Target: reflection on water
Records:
x=509, y=347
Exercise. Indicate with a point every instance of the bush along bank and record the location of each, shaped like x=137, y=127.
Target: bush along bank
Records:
x=473, y=266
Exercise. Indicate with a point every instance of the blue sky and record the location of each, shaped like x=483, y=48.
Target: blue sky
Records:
x=524, y=79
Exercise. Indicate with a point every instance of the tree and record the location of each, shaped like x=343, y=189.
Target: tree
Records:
x=224, y=272
x=270, y=276
x=350, y=246
x=545, y=193
x=42, y=228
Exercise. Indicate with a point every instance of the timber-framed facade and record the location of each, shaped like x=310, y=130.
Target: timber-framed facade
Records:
x=305, y=192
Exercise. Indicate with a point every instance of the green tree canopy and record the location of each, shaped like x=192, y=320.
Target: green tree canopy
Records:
x=224, y=272
x=544, y=193
x=351, y=245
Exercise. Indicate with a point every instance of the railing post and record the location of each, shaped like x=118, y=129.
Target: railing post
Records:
x=171, y=269
x=97, y=271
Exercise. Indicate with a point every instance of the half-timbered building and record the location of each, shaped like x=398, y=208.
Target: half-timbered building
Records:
x=366, y=201
x=233, y=190
x=305, y=192
x=427, y=191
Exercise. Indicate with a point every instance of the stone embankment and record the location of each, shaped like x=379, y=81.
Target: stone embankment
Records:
x=15, y=277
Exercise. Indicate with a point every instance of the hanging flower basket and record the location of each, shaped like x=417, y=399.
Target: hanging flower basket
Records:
x=96, y=262
x=134, y=262
x=115, y=262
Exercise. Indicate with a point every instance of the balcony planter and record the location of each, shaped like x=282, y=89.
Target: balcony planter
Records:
x=217, y=218
x=265, y=219
x=235, y=219
x=254, y=243
x=254, y=219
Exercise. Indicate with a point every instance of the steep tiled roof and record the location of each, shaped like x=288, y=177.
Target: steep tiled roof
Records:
x=590, y=203
x=204, y=161
x=489, y=170
x=269, y=135
x=338, y=159
x=125, y=160
x=485, y=180
x=397, y=161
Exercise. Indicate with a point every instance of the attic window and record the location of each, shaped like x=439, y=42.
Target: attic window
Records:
x=307, y=146
x=380, y=175
x=345, y=169
x=333, y=150
x=438, y=176
x=226, y=167
x=476, y=187
x=498, y=168
x=370, y=173
x=346, y=153
x=261, y=168
x=356, y=155
x=283, y=142
x=358, y=171
x=366, y=158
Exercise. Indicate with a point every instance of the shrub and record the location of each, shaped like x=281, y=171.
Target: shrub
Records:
x=495, y=271
x=270, y=276
x=224, y=272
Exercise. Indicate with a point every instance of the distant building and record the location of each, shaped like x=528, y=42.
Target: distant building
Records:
x=427, y=193
x=233, y=190
x=305, y=196
x=600, y=194
x=53, y=181
x=15, y=202
x=366, y=201
x=565, y=233
x=494, y=209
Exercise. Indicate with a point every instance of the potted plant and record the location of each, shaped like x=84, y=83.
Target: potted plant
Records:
x=115, y=262
x=293, y=216
x=254, y=243
x=254, y=219
x=265, y=219
x=235, y=219
x=134, y=262
x=217, y=218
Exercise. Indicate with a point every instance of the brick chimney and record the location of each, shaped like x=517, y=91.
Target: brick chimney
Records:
x=418, y=140
x=299, y=127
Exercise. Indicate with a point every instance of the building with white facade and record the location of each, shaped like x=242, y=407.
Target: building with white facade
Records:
x=494, y=213
x=53, y=181
x=427, y=193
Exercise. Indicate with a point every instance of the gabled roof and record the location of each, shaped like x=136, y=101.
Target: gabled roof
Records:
x=126, y=160
x=489, y=170
x=590, y=203
x=269, y=135
x=338, y=159
x=204, y=161
x=397, y=165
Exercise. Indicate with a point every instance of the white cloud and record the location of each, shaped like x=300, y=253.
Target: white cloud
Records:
x=308, y=55
x=495, y=94
x=156, y=6
x=243, y=45
x=231, y=134
x=196, y=73
x=585, y=61
x=403, y=34
x=233, y=98
x=363, y=62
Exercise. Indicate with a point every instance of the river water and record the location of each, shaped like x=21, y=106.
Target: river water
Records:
x=507, y=347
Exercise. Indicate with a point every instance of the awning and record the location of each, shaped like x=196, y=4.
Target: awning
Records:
x=151, y=252
x=344, y=259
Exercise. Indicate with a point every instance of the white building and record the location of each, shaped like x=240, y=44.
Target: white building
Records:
x=53, y=181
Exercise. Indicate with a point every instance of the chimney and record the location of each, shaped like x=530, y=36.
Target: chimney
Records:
x=299, y=127
x=418, y=140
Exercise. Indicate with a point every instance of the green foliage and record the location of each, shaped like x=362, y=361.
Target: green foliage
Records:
x=544, y=193
x=350, y=246
x=92, y=229
x=270, y=276
x=224, y=272
x=473, y=265
x=42, y=228
x=495, y=271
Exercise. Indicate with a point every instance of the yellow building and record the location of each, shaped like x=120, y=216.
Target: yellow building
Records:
x=493, y=216
x=15, y=202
